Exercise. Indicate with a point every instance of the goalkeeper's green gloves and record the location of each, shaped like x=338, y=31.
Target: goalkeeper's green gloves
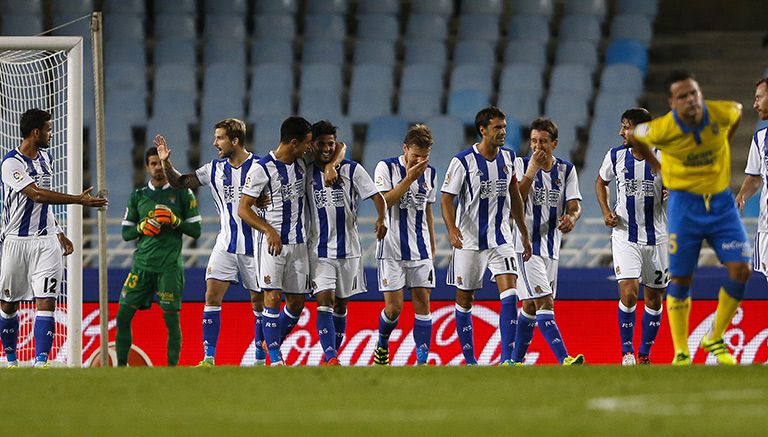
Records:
x=149, y=227
x=165, y=216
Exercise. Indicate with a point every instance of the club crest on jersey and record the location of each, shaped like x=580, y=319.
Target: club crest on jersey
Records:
x=172, y=199
x=618, y=270
x=459, y=280
x=267, y=279
x=210, y=269
x=383, y=282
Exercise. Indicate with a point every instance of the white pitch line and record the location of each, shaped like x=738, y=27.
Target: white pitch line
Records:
x=689, y=404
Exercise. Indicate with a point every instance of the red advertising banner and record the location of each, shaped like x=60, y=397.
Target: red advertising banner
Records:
x=588, y=327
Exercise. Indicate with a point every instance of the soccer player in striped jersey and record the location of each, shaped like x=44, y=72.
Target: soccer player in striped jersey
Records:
x=282, y=245
x=483, y=179
x=32, y=243
x=757, y=176
x=334, y=246
x=694, y=139
x=233, y=255
x=406, y=252
x=550, y=188
x=638, y=239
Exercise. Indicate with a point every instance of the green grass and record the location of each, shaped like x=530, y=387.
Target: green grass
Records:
x=607, y=400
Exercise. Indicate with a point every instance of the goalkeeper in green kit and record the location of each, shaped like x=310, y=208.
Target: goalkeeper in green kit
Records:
x=157, y=215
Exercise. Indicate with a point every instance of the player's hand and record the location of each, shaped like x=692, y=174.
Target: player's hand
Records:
x=381, y=229
x=664, y=194
x=66, y=244
x=566, y=223
x=165, y=216
x=741, y=201
x=330, y=176
x=86, y=199
x=416, y=168
x=274, y=243
x=527, y=248
x=163, y=152
x=149, y=227
x=263, y=201
x=611, y=220
x=539, y=159
x=455, y=238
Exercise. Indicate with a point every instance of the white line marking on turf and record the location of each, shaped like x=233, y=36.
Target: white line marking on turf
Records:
x=689, y=404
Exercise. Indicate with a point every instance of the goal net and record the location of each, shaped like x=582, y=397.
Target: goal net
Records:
x=46, y=73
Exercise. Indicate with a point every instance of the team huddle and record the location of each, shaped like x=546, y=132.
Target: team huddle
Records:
x=288, y=227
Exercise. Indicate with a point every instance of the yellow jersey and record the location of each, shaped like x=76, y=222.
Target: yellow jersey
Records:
x=696, y=160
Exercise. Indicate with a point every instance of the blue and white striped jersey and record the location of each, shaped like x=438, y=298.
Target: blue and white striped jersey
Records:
x=333, y=210
x=546, y=203
x=22, y=217
x=407, y=231
x=285, y=186
x=639, y=198
x=482, y=188
x=227, y=183
x=757, y=165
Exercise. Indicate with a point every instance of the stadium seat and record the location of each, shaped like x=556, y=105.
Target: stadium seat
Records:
x=377, y=27
x=126, y=106
x=474, y=52
x=645, y=7
x=526, y=52
x=596, y=8
x=521, y=77
x=272, y=76
x=366, y=104
x=632, y=26
x=761, y=124
x=267, y=133
x=325, y=27
x=219, y=51
x=133, y=7
x=337, y=7
x=274, y=27
x=543, y=8
x=417, y=104
x=223, y=83
x=322, y=51
x=612, y=104
x=479, y=27
x=320, y=103
x=188, y=7
x=565, y=108
x=175, y=27
x=444, y=8
x=71, y=9
x=625, y=51
x=23, y=7
x=126, y=76
x=174, y=105
x=288, y=7
x=268, y=50
x=422, y=77
x=622, y=78
x=266, y=101
x=124, y=51
x=22, y=24
x=123, y=27
x=175, y=77
x=473, y=77
x=528, y=27
x=214, y=109
x=370, y=52
x=520, y=105
x=387, y=129
x=580, y=28
x=426, y=26
x=488, y=7
x=571, y=78
x=78, y=28
x=514, y=137
x=577, y=52
x=231, y=7
x=391, y=7
x=176, y=134
x=321, y=76
x=464, y=104
x=372, y=76
x=225, y=27
x=419, y=51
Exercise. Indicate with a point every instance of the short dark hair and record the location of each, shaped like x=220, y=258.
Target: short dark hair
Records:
x=33, y=119
x=235, y=129
x=762, y=81
x=546, y=125
x=677, y=76
x=636, y=116
x=323, y=127
x=419, y=135
x=483, y=118
x=294, y=128
x=152, y=151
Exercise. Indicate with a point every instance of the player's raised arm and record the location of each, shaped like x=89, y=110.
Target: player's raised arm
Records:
x=643, y=149
x=176, y=179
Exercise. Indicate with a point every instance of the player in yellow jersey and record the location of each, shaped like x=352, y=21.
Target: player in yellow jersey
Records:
x=694, y=138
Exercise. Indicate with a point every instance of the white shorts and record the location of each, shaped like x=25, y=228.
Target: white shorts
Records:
x=539, y=278
x=31, y=267
x=344, y=276
x=394, y=275
x=287, y=272
x=468, y=266
x=649, y=264
x=760, y=260
x=231, y=267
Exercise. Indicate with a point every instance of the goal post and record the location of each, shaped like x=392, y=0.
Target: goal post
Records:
x=31, y=70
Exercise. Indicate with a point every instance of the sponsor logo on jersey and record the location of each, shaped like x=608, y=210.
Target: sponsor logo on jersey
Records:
x=17, y=175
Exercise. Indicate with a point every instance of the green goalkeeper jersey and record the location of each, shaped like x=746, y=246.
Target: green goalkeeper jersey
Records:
x=163, y=251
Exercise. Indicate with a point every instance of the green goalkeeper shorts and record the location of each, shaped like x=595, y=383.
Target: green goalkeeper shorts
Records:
x=140, y=288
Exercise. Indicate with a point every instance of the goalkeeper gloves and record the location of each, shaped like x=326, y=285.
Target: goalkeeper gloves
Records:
x=165, y=216
x=149, y=227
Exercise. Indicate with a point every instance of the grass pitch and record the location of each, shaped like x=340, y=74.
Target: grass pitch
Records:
x=592, y=400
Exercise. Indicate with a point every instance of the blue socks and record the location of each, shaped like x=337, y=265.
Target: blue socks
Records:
x=9, y=334
x=627, y=328
x=651, y=325
x=340, y=325
x=45, y=328
x=526, y=324
x=270, y=325
x=422, y=336
x=326, y=331
x=211, y=326
x=386, y=326
x=258, y=337
x=546, y=321
x=286, y=323
x=466, y=336
x=507, y=322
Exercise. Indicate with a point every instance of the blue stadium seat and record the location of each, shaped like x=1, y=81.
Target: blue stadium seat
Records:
x=528, y=27
x=170, y=104
x=520, y=105
x=268, y=50
x=225, y=27
x=625, y=51
x=571, y=79
x=78, y=28
x=123, y=26
x=422, y=77
x=387, y=129
x=223, y=83
x=231, y=7
x=287, y=7
x=632, y=26
x=215, y=108
x=22, y=7
x=472, y=77
x=526, y=52
x=372, y=76
x=175, y=27
x=416, y=105
x=489, y=7
x=612, y=105
x=274, y=27
x=479, y=27
x=124, y=51
x=761, y=124
x=232, y=52
x=474, y=52
x=543, y=8
x=266, y=101
x=272, y=76
x=419, y=51
x=176, y=134
x=565, y=108
x=391, y=7
x=267, y=133
x=464, y=104
x=426, y=26
x=125, y=106
x=622, y=78
x=444, y=8
x=366, y=104
x=188, y=7
x=338, y=7
x=369, y=52
x=577, y=52
x=377, y=27
x=514, y=137
x=567, y=140
x=344, y=131
x=645, y=7
x=22, y=24
x=131, y=7
x=596, y=8
x=175, y=77
x=71, y=9
x=323, y=51
x=321, y=76
x=521, y=77
x=580, y=28
x=319, y=104
x=325, y=27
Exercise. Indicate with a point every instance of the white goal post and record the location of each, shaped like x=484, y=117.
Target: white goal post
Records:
x=31, y=70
